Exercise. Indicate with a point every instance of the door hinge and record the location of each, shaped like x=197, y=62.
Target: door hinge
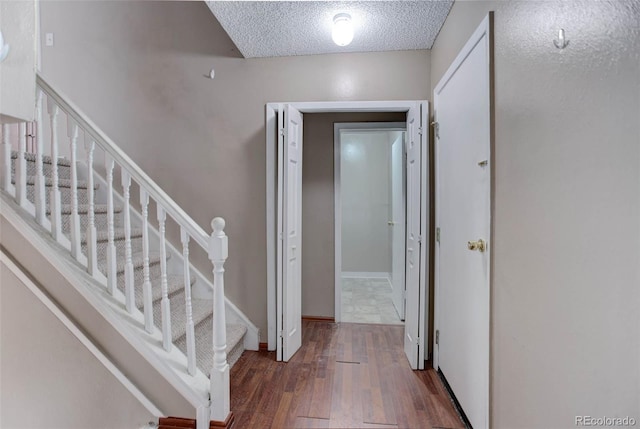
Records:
x=437, y=337
x=436, y=129
x=420, y=130
x=438, y=234
x=420, y=239
x=418, y=341
x=281, y=334
x=282, y=131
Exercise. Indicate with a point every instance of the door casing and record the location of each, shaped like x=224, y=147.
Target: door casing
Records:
x=271, y=176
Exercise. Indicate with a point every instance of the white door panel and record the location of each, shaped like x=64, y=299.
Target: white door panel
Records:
x=279, y=235
x=462, y=112
x=291, y=234
x=398, y=225
x=415, y=289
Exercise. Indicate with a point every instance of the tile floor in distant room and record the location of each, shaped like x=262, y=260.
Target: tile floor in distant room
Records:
x=368, y=300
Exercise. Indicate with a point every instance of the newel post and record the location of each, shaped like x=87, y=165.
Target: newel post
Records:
x=220, y=386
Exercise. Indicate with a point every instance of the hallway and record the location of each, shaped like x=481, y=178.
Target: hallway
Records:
x=344, y=376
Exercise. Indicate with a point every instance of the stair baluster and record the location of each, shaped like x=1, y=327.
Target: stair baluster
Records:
x=21, y=166
x=219, y=377
x=190, y=330
x=129, y=286
x=40, y=199
x=5, y=178
x=92, y=256
x=55, y=203
x=165, y=305
x=146, y=286
x=112, y=278
x=72, y=133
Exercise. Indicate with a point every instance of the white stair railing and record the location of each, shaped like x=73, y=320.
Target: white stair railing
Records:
x=65, y=213
x=92, y=251
x=218, y=252
x=5, y=154
x=40, y=189
x=21, y=166
x=55, y=201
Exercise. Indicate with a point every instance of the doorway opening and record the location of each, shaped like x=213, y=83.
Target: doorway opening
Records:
x=370, y=185
x=285, y=149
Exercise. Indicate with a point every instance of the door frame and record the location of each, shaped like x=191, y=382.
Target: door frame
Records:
x=271, y=127
x=337, y=194
x=485, y=29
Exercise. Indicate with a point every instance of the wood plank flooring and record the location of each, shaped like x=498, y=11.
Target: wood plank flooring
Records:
x=344, y=376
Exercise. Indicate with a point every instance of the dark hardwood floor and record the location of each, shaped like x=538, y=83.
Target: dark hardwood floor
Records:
x=344, y=376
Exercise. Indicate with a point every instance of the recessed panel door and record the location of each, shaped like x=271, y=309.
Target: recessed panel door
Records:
x=413, y=307
x=463, y=135
x=397, y=225
x=291, y=235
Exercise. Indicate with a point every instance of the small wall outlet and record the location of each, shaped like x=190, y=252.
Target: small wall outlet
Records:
x=48, y=39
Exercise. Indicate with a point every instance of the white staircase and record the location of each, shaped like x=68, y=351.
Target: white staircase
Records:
x=123, y=247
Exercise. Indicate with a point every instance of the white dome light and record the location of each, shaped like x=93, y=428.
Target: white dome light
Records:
x=342, y=29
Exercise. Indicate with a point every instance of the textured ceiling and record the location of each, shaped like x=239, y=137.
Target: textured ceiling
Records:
x=284, y=28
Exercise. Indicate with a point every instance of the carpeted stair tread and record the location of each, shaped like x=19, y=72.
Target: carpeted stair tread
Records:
x=62, y=183
x=118, y=234
x=137, y=260
x=204, y=343
x=66, y=209
x=200, y=310
x=174, y=284
x=46, y=159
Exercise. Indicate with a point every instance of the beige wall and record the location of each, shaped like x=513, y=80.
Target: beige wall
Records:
x=566, y=244
x=49, y=378
x=365, y=186
x=18, y=70
x=318, y=223
x=136, y=68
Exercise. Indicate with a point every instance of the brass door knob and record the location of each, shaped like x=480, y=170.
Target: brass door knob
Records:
x=479, y=245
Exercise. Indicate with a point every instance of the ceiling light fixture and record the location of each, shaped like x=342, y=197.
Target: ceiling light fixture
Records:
x=342, y=29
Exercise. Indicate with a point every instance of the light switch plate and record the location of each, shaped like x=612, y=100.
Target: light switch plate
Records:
x=48, y=39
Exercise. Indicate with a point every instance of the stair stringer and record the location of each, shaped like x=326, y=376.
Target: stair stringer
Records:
x=159, y=375
x=203, y=287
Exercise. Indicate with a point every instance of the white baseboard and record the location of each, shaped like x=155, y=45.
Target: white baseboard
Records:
x=366, y=275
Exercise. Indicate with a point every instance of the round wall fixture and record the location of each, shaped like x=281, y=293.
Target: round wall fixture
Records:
x=342, y=29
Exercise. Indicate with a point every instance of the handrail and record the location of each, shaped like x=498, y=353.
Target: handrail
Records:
x=137, y=174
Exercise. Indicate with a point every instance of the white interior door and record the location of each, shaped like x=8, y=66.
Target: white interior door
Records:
x=463, y=198
x=289, y=289
x=415, y=309
x=397, y=224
